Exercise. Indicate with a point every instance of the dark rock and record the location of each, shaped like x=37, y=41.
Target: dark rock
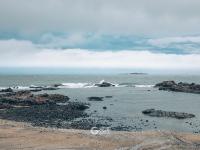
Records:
x=57, y=85
x=7, y=90
x=35, y=90
x=165, y=84
x=47, y=115
x=87, y=124
x=95, y=98
x=161, y=113
x=108, y=96
x=49, y=88
x=104, y=107
x=104, y=84
x=180, y=87
x=26, y=98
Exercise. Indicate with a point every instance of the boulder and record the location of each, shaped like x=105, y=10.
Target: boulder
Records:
x=161, y=113
x=104, y=107
x=104, y=84
x=95, y=98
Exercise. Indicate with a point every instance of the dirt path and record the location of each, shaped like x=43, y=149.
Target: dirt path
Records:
x=15, y=136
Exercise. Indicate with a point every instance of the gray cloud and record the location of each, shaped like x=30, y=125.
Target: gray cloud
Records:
x=138, y=17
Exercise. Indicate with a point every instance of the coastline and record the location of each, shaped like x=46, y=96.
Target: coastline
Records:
x=15, y=135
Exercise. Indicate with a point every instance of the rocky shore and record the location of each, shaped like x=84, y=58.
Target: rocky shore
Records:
x=59, y=111
x=179, y=87
x=47, y=110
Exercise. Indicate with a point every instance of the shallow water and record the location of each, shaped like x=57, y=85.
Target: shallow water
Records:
x=127, y=102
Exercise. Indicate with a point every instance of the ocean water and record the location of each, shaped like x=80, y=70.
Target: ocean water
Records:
x=132, y=95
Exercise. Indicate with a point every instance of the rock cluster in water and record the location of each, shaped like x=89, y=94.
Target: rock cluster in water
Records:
x=161, y=113
x=179, y=87
x=7, y=90
x=26, y=98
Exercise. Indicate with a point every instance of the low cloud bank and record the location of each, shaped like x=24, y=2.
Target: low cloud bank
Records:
x=25, y=54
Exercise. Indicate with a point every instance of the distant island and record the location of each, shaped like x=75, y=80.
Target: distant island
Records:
x=138, y=73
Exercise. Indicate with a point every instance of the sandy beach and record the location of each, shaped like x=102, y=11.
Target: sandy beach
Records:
x=15, y=135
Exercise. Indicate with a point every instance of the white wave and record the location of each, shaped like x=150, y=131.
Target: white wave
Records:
x=144, y=86
x=77, y=85
x=120, y=85
x=16, y=88
x=2, y=88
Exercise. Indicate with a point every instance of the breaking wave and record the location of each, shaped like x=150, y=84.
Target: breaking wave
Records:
x=73, y=85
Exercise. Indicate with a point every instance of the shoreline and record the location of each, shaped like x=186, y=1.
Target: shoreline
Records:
x=15, y=135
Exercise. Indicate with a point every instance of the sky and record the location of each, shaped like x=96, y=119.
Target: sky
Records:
x=134, y=35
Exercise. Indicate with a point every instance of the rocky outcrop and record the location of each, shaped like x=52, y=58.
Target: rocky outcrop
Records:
x=7, y=90
x=179, y=87
x=161, y=113
x=104, y=84
x=26, y=98
x=95, y=98
x=41, y=88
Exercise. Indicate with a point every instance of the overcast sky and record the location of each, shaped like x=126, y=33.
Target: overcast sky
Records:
x=147, y=34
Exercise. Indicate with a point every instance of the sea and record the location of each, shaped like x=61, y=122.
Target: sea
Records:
x=132, y=94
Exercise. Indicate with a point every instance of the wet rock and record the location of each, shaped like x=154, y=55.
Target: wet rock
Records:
x=95, y=98
x=161, y=113
x=108, y=96
x=7, y=90
x=179, y=87
x=104, y=107
x=45, y=88
x=104, y=84
x=49, y=88
x=35, y=90
x=57, y=85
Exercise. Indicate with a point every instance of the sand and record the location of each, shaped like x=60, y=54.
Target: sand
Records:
x=15, y=136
